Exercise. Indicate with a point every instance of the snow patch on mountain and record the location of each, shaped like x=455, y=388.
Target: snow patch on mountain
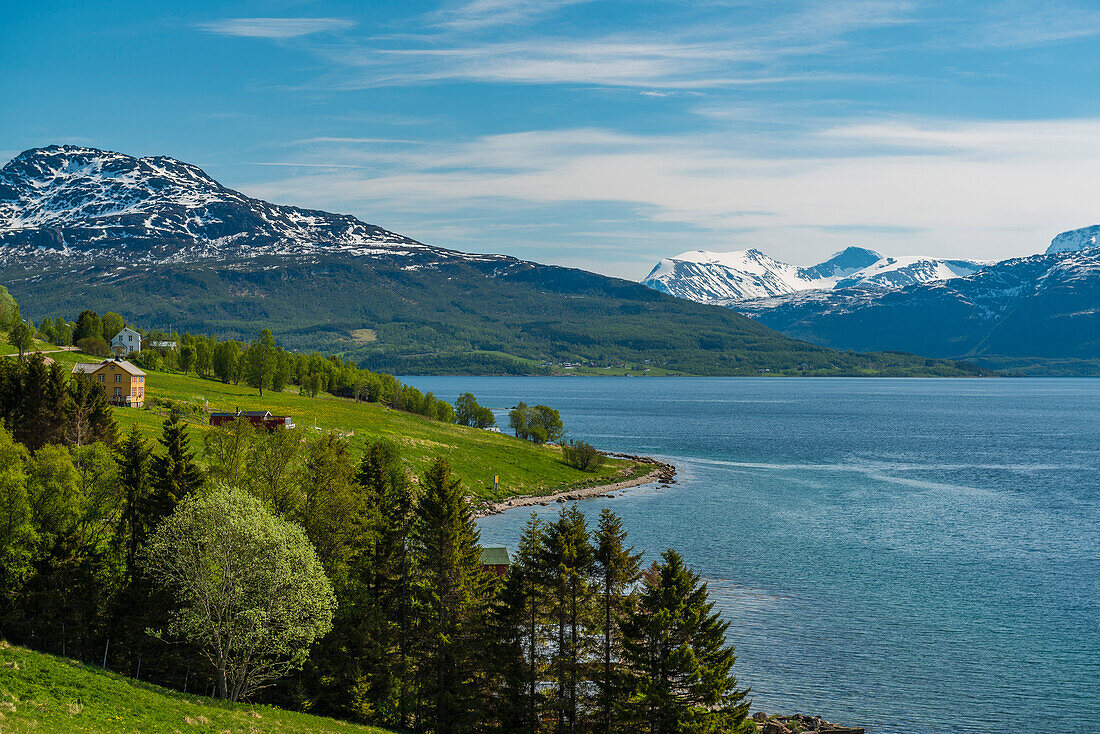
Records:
x=1075, y=240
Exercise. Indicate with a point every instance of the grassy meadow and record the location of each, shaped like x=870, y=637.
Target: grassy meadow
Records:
x=476, y=456
x=43, y=693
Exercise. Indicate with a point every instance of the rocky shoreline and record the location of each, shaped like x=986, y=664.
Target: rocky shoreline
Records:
x=799, y=724
x=661, y=472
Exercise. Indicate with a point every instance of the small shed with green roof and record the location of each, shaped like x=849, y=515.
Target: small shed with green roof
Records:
x=494, y=559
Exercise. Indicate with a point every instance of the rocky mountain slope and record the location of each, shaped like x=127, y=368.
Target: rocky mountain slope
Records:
x=164, y=244
x=711, y=276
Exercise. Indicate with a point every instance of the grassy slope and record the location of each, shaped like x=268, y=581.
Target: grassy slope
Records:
x=475, y=455
x=42, y=693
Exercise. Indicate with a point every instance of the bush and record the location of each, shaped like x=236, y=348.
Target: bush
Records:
x=148, y=359
x=581, y=455
x=94, y=346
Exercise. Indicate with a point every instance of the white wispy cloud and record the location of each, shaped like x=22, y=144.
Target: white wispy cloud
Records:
x=1020, y=24
x=276, y=28
x=620, y=61
x=957, y=188
x=707, y=45
x=479, y=14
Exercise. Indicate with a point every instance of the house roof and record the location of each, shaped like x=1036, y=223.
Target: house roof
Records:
x=88, y=367
x=81, y=367
x=255, y=413
x=494, y=555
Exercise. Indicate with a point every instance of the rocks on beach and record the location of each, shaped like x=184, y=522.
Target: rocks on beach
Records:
x=799, y=724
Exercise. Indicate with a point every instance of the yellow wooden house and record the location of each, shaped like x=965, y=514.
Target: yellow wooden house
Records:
x=123, y=381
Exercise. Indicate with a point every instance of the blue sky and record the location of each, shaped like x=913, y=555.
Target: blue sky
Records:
x=601, y=134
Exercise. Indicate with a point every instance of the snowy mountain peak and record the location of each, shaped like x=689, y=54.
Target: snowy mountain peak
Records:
x=747, y=274
x=81, y=204
x=845, y=262
x=1075, y=240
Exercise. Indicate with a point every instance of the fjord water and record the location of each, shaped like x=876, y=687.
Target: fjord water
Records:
x=905, y=555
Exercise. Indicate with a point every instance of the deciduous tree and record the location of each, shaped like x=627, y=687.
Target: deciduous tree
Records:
x=9, y=310
x=260, y=361
x=22, y=338
x=251, y=591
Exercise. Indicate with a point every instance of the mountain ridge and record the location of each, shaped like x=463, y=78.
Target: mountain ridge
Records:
x=163, y=243
x=704, y=276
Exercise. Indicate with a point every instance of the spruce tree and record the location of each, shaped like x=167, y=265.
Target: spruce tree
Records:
x=90, y=418
x=451, y=591
x=568, y=559
x=138, y=512
x=175, y=475
x=377, y=602
x=678, y=663
x=38, y=416
x=617, y=569
x=395, y=585
x=517, y=659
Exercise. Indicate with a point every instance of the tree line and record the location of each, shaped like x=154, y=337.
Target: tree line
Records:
x=288, y=570
x=261, y=364
x=264, y=365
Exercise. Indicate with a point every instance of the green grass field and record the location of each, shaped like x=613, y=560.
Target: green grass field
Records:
x=42, y=693
x=476, y=456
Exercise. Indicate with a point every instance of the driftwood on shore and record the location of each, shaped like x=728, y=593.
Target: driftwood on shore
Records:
x=661, y=472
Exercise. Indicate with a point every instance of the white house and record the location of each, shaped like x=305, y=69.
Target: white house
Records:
x=126, y=341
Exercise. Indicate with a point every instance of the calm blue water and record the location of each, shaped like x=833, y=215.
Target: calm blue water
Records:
x=906, y=555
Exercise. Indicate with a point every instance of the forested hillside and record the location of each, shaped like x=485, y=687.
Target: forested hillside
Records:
x=158, y=240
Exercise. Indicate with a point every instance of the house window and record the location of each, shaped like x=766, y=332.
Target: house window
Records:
x=102, y=378
x=118, y=392
x=118, y=378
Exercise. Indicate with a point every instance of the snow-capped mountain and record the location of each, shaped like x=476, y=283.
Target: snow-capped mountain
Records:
x=1075, y=240
x=733, y=276
x=74, y=204
x=1042, y=307
x=1020, y=313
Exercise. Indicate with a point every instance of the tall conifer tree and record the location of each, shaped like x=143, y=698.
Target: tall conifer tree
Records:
x=518, y=660
x=678, y=663
x=451, y=591
x=175, y=475
x=89, y=414
x=617, y=568
x=138, y=512
x=568, y=560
